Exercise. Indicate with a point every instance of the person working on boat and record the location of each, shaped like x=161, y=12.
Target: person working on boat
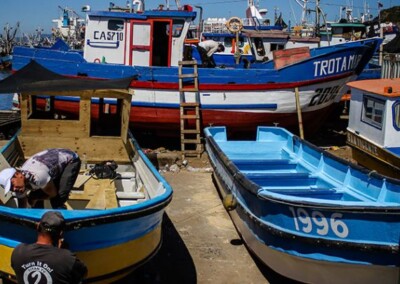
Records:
x=49, y=174
x=46, y=261
x=206, y=49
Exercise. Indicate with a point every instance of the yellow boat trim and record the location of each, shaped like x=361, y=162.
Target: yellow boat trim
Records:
x=108, y=260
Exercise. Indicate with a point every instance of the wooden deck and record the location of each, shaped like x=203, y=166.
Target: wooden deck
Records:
x=94, y=193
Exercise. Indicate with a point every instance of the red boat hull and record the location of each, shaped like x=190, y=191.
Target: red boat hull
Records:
x=165, y=122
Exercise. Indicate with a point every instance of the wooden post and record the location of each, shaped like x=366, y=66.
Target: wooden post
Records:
x=237, y=52
x=381, y=46
x=298, y=107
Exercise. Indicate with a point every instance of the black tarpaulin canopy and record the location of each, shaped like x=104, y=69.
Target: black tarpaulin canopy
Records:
x=35, y=78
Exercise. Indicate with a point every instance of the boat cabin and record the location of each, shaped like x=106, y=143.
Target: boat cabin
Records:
x=374, y=125
x=336, y=33
x=375, y=111
x=149, y=38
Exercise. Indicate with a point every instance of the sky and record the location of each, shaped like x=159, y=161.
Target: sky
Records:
x=38, y=14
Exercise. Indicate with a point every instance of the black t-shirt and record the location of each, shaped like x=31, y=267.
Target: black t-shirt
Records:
x=45, y=264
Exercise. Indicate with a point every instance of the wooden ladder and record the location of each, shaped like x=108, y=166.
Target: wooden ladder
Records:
x=190, y=112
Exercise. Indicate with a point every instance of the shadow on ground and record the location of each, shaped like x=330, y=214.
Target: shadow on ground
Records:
x=172, y=264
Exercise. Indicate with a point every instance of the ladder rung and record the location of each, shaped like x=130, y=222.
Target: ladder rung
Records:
x=189, y=116
x=191, y=141
x=192, y=104
x=189, y=90
x=181, y=76
x=188, y=62
x=190, y=131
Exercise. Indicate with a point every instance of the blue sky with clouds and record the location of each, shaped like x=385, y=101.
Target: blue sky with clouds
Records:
x=33, y=14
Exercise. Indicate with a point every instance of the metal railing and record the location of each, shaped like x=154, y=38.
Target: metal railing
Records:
x=390, y=66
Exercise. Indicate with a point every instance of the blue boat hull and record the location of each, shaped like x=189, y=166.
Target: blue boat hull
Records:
x=306, y=214
x=325, y=63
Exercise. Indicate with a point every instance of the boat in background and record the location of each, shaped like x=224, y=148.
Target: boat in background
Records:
x=113, y=224
x=149, y=45
x=217, y=29
x=258, y=39
x=308, y=215
x=374, y=125
x=70, y=27
x=7, y=42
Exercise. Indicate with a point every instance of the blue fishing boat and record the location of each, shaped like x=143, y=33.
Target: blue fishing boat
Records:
x=374, y=125
x=305, y=213
x=149, y=45
x=113, y=223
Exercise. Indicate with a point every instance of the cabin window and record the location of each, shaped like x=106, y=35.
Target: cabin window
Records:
x=396, y=115
x=53, y=108
x=177, y=27
x=106, y=117
x=276, y=46
x=115, y=25
x=373, y=111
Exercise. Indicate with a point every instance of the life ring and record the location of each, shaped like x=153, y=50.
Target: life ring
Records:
x=96, y=60
x=234, y=24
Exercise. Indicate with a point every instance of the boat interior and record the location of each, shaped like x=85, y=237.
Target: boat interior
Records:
x=296, y=168
x=42, y=128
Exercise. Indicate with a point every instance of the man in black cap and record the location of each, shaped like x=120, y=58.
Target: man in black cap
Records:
x=45, y=261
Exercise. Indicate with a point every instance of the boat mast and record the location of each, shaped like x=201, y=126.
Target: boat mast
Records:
x=303, y=5
x=139, y=5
